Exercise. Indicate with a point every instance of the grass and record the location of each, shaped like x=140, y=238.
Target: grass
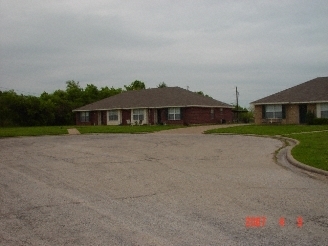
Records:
x=32, y=131
x=125, y=129
x=270, y=130
x=58, y=130
x=312, y=149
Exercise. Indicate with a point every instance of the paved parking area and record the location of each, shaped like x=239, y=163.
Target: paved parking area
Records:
x=156, y=189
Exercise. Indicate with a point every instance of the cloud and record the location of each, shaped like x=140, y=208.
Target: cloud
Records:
x=213, y=46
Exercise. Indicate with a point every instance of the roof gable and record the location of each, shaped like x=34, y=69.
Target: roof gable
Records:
x=315, y=90
x=154, y=98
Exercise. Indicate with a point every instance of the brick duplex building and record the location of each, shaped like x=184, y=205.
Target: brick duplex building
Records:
x=169, y=105
x=291, y=105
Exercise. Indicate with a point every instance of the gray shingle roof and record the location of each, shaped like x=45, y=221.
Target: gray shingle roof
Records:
x=154, y=98
x=315, y=90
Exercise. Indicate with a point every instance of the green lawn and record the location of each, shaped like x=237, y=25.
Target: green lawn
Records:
x=58, y=130
x=270, y=129
x=125, y=129
x=32, y=131
x=312, y=149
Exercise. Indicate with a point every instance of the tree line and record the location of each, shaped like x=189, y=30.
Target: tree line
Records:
x=53, y=108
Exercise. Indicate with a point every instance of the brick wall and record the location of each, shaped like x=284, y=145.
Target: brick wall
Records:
x=292, y=114
x=258, y=114
x=195, y=115
x=93, y=119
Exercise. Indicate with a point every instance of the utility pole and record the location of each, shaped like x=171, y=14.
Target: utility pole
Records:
x=237, y=95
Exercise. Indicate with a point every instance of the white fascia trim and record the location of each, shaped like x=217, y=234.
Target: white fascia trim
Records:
x=207, y=106
x=81, y=110
x=184, y=106
x=274, y=103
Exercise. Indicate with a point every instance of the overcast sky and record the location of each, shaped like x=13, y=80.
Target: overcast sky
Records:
x=260, y=46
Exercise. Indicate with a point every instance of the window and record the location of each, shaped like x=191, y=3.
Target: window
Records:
x=113, y=115
x=174, y=114
x=212, y=113
x=273, y=111
x=84, y=116
x=324, y=110
x=138, y=114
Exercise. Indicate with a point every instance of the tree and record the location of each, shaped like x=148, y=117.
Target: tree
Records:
x=9, y=110
x=74, y=93
x=108, y=92
x=202, y=93
x=136, y=85
x=244, y=115
x=161, y=85
x=90, y=94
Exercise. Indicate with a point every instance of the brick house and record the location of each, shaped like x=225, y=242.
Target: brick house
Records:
x=291, y=105
x=169, y=105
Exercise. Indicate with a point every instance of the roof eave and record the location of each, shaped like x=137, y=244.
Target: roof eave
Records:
x=297, y=102
x=158, y=107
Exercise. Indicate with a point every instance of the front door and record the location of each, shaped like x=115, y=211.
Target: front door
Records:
x=302, y=113
x=155, y=116
x=159, y=116
x=99, y=118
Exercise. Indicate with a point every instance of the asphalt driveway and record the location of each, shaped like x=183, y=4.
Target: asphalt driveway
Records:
x=156, y=189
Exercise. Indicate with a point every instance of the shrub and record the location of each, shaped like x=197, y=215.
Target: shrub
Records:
x=320, y=121
x=310, y=116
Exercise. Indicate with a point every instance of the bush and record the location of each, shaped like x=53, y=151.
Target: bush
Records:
x=320, y=121
x=310, y=116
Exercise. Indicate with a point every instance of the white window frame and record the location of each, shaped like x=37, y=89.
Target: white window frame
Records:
x=113, y=115
x=138, y=114
x=85, y=116
x=324, y=110
x=273, y=111
x=174, y=114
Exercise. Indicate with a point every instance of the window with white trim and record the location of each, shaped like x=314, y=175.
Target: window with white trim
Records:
x=84, y=116
x=324, y=110
x=273, y=111
x=113, y=115
x=138, y=114
x=174, y=114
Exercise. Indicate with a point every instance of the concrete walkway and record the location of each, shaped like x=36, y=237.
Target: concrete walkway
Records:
x=73, y=131
x=195, y=129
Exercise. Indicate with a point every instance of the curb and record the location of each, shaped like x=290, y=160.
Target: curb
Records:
x=289, y=156
x=298, y=164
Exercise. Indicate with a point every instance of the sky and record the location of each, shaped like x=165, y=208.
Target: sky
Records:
x=213, y=46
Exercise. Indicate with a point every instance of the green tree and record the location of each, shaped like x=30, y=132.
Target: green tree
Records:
x=161, y=85
x=74, y=93
x=244, y=115
x=108, y=92
x=202, y=93
x=136, y=85
x=10, y=104
x=91, y=94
